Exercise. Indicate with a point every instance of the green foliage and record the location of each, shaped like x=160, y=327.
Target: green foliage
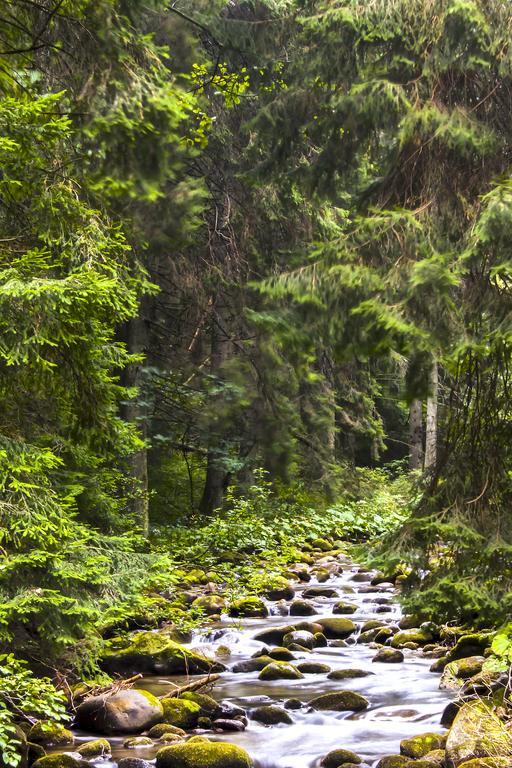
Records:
x=27, y=698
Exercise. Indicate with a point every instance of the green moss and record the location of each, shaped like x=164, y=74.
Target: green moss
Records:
x=57, y=760
x=456, y=672
x=393, y=761
x=322, y=544
x=134, y=742
x=160, y=729
x=418, y=746
x=372, y=624
x=340, y=701
x=97, y=748
x=281, y=654
x=313, y=668
x=343, y=607
x=389, y=656
x=181, y=713
x=153, y=652
x=50, y=734
x=337, y=628
x=210, y=604
x=271, y=715
x=209, y=707
x=347, y=674
x=418, y=636
x=279, y=588
x=250, y=607
x=280, y=670
x=252, y=665
x=203, y=754
x=339, y=757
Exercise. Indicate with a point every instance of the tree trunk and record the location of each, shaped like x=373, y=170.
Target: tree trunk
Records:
x=431, y=430
x=135, y=338
x=416, y=435
x=215, y=481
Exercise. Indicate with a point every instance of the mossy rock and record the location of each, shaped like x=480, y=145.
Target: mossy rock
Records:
x=423, y=763
x=301, y=608
x=210, y=604
x=195, y=576
x=368, y=636
x=477, y=732
x=252, y=665
x=340, y=701
x=471, y=644
x=281, y=654
x=372, y=624
x=271, y=715
x=437, y=756
x=410, y=621
x=50, y=734
x=337, y=628
x=279, y=589
x=203, y=754
x=209, y=707
x=308, y=626
x=392, y=761
x=136, y=742
x=322, y=574
x=181, y=713
x=338, y=757
x=320, y=640
x=388, y=656
x=97, y=748
x=154, y=653
x=344, y=607
x=312, y=592
x=313, y=668
x=248, y=607
x=160, y=729
x=324, y=545
x=127, y=711
x=299, y=637
x=347, y=674
x=59, y=760
x=418, y=746
x=134, y=762
x=418, y=636
x=383, y=634
x=456, y=672
x=274, y=635
x=280, y=670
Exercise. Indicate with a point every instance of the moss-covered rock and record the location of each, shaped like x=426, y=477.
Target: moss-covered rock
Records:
x=299, y=637
x=301, y=608
x=58, y=760
x=279, y=589
x=383, y=634
x=248, y=607
x=437, y=756
x=418, y=746
x=253, y=665
x=471, y=644
x=392, y=761
x=312, y=592
x=50, y=734
x=281, y=654
x=97, y=748
x=343, y=607
x=138, y=742
x=337, y=628
x=338, y=757
x=280, y=670
x=271, y=715
x=347, y=674
x=321, y=574
x=313, y=668
x=488, y=762
x=477, y=732
x=418, y=636
x=159, y=730
x=154, y=653
x=324, y=545
x=456, y=672
x=203, y=754
x=320, y=640
x=209, y=707
x=134, y=762
x=372, y=624
x=340, y=701
x=195, y=576
x=423, y=763
x=210, y=604
x=128, y=711
x=389, y=656
x=181, y=713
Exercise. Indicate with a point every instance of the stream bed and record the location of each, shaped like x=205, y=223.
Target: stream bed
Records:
x=405, y=698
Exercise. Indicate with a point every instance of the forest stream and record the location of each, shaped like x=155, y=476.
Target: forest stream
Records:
x=405, y=699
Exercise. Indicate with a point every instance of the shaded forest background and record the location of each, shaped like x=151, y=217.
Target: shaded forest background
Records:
x=254, y=278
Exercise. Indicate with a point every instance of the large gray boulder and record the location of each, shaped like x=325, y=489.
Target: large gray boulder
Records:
x=128, y=711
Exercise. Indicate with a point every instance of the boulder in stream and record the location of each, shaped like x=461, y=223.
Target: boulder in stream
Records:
x=347, y=674
x=280, y=670
x=281, y=654
x=50, y=734
x=162, y=729
x=249, y=607
x=337, y=628
x=61, y=760
x=301, y=608
x=313, y=668
x=271, y=715
x=203, y=754
x=253, y=665
x=133, y=762
x=344, y=607
x=418, y=746
x=299, y=637
x=312, y=592
x=181, y=713
x=274, y=635
x=392, y=761
x=417, y=636
x=279, y=589
x=340, y=701
x=154, y=653
x=97, y=748
x=127, y=711
x=456, y=672
x=338, y=757
x=210, y=604
x=388, y=656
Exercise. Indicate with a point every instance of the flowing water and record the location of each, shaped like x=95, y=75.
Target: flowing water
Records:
x=405, y=699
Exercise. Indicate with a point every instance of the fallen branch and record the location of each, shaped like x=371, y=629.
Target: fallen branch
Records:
x=194, y=686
